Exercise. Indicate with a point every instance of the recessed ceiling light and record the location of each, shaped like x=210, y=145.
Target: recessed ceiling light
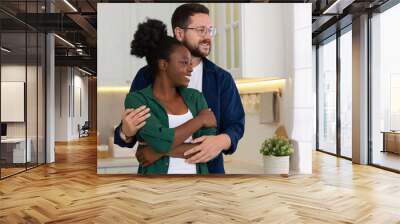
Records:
x=5, y=50
x=70, y=5
x=338, y=6
x=64, y=40
x=84, y=71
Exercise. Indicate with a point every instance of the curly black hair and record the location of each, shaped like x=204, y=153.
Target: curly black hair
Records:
x=151, y=41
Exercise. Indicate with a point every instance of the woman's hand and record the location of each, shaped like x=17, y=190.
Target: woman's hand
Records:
x=207, y=118
x=133, y=120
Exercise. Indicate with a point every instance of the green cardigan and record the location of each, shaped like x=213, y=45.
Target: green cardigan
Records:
x=156, y=132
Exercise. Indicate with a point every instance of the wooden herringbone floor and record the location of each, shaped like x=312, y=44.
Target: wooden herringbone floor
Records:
x=70, y=191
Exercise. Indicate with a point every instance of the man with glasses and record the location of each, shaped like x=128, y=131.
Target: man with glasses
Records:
x=192, y=26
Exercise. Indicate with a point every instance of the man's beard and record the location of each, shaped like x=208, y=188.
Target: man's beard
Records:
x=195, y=51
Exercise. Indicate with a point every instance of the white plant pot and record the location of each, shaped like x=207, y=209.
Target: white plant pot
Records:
x=276, y=164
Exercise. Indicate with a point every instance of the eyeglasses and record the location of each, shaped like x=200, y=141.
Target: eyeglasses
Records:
x=203, y=30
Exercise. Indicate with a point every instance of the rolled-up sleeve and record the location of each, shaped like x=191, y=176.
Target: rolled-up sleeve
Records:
x=201, y=104
x=159, y=137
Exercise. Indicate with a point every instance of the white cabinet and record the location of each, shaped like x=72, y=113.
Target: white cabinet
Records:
x=251, y=40
x=16, y=148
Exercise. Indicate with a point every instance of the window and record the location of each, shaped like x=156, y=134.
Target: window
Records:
x=327, y=97
x=385, y=89
x=335, y=94
x=346, y=94
x=226, y=43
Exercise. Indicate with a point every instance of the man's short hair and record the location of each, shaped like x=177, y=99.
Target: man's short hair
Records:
x=182, y=14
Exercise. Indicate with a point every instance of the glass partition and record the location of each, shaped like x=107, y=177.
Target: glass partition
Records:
x=13, y=103
x=22, y=77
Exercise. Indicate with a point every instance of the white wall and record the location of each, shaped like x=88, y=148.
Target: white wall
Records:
x=116, y=24
x=68, y=81
x=248, y=149
x=12, y=73
x=33, y=126
x=264, y=40
x=80, y=83
x=61, y=103
x=299, y=103
x=297, y=111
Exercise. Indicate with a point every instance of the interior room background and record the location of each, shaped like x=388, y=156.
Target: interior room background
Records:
x=266, y=47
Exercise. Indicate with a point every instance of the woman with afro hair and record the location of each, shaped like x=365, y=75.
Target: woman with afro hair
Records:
x=177, y=113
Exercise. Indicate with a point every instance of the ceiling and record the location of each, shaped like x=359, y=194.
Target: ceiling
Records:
x=76, y=22
x=77, y=25
x=332, y=15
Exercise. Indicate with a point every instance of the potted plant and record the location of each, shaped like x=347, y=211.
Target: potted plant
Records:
x=276, y=152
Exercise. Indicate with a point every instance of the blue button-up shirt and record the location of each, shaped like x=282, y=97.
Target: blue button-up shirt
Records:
x=222, y=97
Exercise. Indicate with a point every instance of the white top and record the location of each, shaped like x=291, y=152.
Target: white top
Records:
x=178, y=165
x=196, y=79
x=196, y=82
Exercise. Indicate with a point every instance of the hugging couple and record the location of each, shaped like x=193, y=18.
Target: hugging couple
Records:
x=183, y=110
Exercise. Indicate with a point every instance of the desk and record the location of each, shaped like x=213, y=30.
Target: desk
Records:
x=16, y=147
x=391, y=141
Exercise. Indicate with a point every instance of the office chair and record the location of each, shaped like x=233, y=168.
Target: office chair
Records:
x=84, y=130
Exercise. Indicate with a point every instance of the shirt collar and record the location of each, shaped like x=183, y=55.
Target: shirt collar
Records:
x=148, y=91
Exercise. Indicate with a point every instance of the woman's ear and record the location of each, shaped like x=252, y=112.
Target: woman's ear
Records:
x=179, y=33
x=163, y=64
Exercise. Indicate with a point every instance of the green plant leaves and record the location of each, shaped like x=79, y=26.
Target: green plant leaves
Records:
x=276, y=146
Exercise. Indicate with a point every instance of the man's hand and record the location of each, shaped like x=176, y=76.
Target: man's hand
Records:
x=147, y=156
x=209, y=148
x=133, y=120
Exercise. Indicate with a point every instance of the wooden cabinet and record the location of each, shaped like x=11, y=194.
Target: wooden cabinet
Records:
x=391, y=142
